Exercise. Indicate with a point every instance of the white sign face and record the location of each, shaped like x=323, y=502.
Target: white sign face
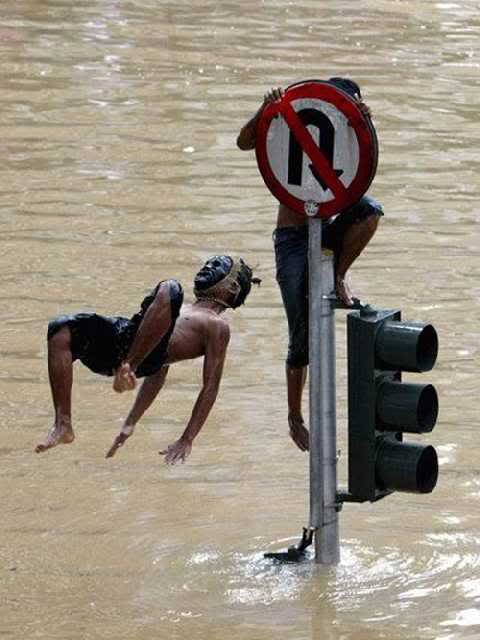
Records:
x=331, y=133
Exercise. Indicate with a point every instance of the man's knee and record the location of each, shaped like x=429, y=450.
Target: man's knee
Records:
x=58, y=334
x=371, y=223
x=367, y=214
x=162, y=296
x=160, y=306
x=297, y=357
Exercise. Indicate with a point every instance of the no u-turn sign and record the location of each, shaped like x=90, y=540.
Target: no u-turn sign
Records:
x=317, y=152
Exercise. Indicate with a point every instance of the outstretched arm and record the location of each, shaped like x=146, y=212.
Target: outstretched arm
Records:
x=215, y=352
x=248, y=133
x=145, y=396
x=153, y=327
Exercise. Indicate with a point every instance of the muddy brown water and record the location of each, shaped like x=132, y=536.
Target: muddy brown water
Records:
x=119, y=168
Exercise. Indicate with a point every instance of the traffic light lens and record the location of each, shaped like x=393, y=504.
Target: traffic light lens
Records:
x=427, y=470
x=427, y=348
x=410, y=408
x=405, y=466
x=410, y=346
x=427, y=409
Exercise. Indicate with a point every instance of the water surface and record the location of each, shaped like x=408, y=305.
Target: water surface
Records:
x=120, y=168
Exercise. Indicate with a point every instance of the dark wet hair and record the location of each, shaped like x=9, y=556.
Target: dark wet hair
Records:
x=349, y=86
x=244, y=279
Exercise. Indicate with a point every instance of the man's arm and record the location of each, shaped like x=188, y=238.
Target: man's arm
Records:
x=145, y=396
x=153, y=327
x=215, y=351
x=248, y=133
x=364, y=108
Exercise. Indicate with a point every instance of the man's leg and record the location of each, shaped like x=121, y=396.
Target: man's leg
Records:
x=60, y=371
x=291, y=254
x=356, y=238
x=296, y=377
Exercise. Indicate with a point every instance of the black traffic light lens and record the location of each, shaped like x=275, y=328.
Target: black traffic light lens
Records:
x=427, y=470
x=427, y=348
x=427, y=409
x=405, y=466
x=409, y=346
x=410, y=408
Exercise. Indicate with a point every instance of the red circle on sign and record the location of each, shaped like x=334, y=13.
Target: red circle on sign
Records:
x=344, y=196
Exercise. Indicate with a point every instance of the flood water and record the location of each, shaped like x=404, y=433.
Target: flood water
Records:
x=119, y=168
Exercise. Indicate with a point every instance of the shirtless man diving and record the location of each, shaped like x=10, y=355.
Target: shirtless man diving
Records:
x=160, y=334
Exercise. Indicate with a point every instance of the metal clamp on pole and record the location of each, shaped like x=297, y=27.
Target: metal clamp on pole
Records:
x=295, y=553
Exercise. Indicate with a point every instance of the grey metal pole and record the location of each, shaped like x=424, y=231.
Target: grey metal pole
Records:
x=323, y=445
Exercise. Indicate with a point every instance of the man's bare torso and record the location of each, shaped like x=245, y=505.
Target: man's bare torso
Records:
x=288, y=218
x=192, y=332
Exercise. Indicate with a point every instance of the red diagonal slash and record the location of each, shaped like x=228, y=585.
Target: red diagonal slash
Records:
x=308, y=145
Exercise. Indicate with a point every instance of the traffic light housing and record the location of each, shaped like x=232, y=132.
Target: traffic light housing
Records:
x=381, y=408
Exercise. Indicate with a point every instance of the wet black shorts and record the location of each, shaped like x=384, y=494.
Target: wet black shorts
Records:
x=102, y=343
x=291, y=256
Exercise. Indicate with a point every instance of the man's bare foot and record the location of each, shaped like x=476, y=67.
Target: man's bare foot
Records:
x=61, y=433
x=343, y=291
x=298, y=432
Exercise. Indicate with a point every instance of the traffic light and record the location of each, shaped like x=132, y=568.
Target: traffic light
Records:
x=381, y=408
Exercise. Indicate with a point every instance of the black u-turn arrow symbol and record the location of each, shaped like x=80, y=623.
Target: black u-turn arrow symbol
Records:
x=317, y=118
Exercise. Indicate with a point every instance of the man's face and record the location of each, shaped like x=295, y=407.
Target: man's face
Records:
x=215, y=269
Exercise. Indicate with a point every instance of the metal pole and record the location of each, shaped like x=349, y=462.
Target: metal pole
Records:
x=323, y=453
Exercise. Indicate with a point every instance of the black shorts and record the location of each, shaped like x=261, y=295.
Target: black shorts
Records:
x=102, y=343
x=291, y=256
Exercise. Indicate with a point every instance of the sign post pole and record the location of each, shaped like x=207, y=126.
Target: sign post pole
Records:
x=323, y=453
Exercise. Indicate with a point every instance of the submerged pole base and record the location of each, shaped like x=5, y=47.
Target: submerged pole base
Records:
x=295, y=553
